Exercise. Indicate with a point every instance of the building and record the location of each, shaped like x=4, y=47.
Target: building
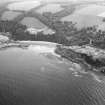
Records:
x=45, y=31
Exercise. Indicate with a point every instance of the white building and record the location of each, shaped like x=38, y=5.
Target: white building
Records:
x=48, y=32
x=45, y=31
x=34, y=30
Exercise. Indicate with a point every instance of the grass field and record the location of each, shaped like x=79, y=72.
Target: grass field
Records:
x=83, y=20
x=24, y=5
x=87, y=15
x=33, y=22
x=53, y=8
x=102, y=14
x=9, y=15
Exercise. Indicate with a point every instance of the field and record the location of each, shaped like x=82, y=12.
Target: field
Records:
x=91, y=10
x=83, y=20
x=102, y=14
x=53, y=8
x=25, y=5
x=33, y=22
x=10, y=15
x=86, y=16
x=3, y=7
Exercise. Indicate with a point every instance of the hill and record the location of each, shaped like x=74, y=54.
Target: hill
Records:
x=89, y=15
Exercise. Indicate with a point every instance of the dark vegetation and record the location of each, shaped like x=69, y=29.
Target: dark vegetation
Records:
x=73, y=36
x=66, y=34
x=86, y=61
x=97, y=63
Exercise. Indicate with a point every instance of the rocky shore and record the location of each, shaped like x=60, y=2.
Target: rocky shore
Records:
x=88, y=57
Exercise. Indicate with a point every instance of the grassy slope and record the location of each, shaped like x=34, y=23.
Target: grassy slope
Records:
x=3, y=8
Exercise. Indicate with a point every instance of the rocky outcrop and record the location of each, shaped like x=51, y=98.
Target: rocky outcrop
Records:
x=88, y=57
x=89, y=50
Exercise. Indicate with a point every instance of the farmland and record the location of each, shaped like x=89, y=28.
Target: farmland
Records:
x=83, y=20
x=53, y=8
x=86, y=16
x=32, y=22
x=25, y=5
x=92, y=9
x=10, y=15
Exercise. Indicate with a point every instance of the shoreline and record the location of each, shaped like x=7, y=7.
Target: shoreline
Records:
x=76, y=55
x=87, y=62
x=25, y=43
x=87, y=56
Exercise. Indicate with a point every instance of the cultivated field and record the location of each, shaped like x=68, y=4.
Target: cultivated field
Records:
x=25, y=5
x=83, y=20
x=33, y=22
x=53, y=8
x=10, y=15
x=86, y=16
x=91, y=10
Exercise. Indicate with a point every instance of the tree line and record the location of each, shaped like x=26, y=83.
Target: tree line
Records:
x=66, y=33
